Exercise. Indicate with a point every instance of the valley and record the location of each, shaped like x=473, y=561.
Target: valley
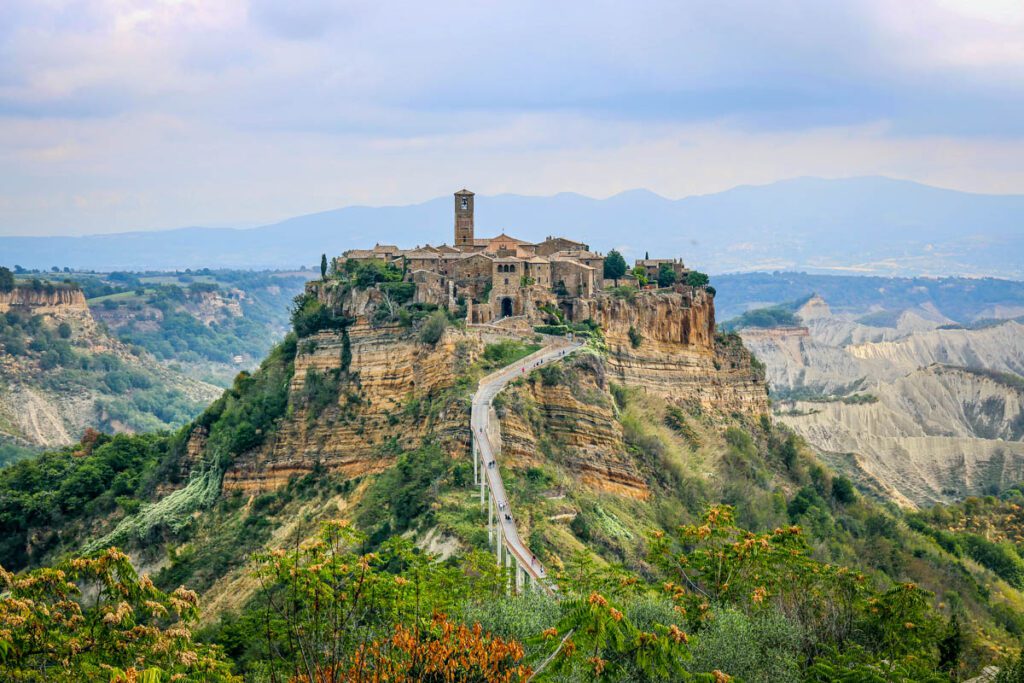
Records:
x=125, y=352
x=921, y=410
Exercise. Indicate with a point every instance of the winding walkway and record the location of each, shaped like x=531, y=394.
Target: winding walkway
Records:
x=487, y=470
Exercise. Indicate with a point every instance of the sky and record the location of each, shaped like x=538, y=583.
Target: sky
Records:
x=125, y=115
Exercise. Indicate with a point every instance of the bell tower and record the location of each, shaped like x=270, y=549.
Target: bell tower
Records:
x=463, y=218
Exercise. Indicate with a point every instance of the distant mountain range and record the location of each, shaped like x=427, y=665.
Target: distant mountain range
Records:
x=869, y=225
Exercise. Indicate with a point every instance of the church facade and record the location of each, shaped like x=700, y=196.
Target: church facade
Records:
x=496, y=277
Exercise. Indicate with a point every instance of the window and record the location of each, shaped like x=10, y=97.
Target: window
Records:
x=465, y=203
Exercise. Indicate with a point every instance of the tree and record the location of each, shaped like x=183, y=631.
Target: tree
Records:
x=697, y=279
x=127, y=630
x=328, y=612
x=640, y=273
x=434, y=327
x=323, y=266
x=666, y=275
x=6, y=279
x=614, y=266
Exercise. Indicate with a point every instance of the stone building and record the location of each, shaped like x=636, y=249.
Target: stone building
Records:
x=653, y=265
x=497, y=277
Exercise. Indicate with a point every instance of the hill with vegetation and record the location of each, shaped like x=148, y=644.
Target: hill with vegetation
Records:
x=61, y=373
x=322, y=509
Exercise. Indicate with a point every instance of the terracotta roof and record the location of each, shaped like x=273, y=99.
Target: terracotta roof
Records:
x=505, y=237
x=564, y=259
x=549, y=238
x=576, y=253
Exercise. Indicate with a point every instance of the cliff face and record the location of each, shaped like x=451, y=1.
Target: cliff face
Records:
x=388, y=399
x=666, y=344
x=572, y=421
x=388, y=391
x=60, y=301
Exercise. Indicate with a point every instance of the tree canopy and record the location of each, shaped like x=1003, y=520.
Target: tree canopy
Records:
x=6, y=279
x=614, y=265
x=666, y=275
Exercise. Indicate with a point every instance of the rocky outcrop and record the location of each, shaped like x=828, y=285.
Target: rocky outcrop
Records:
x=813, y=309
x=666, y=344
x=53, y=300
x=391, y=391
x=390, y=396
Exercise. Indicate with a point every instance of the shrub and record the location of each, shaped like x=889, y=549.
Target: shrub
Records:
x=666, y=275
x=399, y=292
x=843, y=490
x=761, y=648
x=635, y=338
x=697, y=279
x=557, y=330
x=309, y=316
x=433, y=329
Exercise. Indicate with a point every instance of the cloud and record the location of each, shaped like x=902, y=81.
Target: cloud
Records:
x=231, y=111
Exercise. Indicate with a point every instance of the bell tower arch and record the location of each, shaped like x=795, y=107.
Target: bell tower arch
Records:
x=463, y=218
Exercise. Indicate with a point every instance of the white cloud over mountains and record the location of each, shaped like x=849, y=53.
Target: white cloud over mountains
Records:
x=121, y=114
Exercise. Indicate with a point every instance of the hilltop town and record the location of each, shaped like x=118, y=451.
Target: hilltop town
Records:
x=504, y=277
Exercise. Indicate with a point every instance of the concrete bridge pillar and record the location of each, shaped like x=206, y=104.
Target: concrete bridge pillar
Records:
x=490, y=520
x=499, y=545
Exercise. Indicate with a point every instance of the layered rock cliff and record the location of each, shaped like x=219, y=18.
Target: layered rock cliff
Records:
x=388, y=398
x=388, y=390
x=51, y=300
x=666, y=343
x=568, y=415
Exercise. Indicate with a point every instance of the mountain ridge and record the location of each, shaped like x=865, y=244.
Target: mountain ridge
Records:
x=868, y=224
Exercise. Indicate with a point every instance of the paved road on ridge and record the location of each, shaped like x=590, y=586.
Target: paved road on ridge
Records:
x=489, y=387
